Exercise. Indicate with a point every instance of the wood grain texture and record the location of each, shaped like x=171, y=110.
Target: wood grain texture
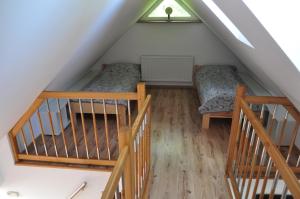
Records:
x=187, y=162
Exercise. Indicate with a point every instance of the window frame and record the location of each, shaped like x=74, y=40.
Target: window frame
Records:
x=194, y=18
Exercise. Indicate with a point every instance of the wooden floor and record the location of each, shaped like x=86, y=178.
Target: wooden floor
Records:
x=187, y=162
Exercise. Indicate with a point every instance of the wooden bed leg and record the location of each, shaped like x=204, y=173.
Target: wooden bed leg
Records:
x=74, y=119
x=205, y=121
x=122, y=117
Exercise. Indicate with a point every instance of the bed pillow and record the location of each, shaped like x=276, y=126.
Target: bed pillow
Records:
x=123, y=68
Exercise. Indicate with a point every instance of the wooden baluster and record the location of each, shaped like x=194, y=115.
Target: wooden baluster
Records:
x=24, y=141
x=117, y=193
x=293, y=139
x=125, y=140
x=73, y=128
x=274, y=185
x=138, y=164
x=95, y=129
x=136, y=167
x=129, y=113
x=149, y=138
x=260, y=168
x=52, y=127
x=62, y=128
x=243, y=152
x=281, y=137
x=145, y=145
x=298, y=161
x=251, y=146
x=117, y=117
x=271, y=126
x=32, y=137
x=284, y=192
x=131, y=173
x=141, y=160
x=145, y=148
x=267, y=173
x=84, y=130
x=42, y=131
x=142, y=154
x=123, y=185
x=261, y=116
x=253, y=164
x=239, y=146
x=135, y=160
x=106, y=129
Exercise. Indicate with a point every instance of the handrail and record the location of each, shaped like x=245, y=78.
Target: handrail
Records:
x=135, y=167
x=89, y=95
x=267, y=100
x=35, y=105
x=114, y=179
x=284, y=170
x=78, y=190
x=254, y=158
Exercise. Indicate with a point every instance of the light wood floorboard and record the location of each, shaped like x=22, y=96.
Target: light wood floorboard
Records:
x=187, y=162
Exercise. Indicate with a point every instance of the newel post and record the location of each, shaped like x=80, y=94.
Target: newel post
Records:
x=141, y=92
x=125, y=140
x=240, y=93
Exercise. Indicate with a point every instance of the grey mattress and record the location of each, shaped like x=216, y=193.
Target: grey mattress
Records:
x=121, y=77
x=216, y=87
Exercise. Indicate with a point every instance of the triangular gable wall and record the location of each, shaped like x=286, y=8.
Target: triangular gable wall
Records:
x=180, y=12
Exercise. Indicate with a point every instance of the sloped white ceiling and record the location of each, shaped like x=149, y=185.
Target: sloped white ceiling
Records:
x=41, y=39
x=266, y=60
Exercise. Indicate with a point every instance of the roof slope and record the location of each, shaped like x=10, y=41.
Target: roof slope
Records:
x=266, y=60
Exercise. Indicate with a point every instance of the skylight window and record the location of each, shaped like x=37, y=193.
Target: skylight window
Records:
x=227, y=22
x=177, y=10
x=283, y=28
x=169, y=11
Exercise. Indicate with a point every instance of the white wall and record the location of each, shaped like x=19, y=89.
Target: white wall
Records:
x=170, y=39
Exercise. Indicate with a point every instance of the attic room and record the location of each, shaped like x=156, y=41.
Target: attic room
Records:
x=149, y=99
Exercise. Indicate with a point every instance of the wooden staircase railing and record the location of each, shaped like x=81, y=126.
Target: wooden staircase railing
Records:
x=75, y=128
x=263, y=155
x=131, y=173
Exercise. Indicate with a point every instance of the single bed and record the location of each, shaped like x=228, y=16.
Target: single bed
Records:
x=216, y=86
x=120, y=77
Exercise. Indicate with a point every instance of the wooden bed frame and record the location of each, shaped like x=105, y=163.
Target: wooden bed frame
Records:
x=110, y=108
x=207, y=116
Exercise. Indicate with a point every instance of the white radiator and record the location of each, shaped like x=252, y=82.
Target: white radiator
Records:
x=167, y=70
